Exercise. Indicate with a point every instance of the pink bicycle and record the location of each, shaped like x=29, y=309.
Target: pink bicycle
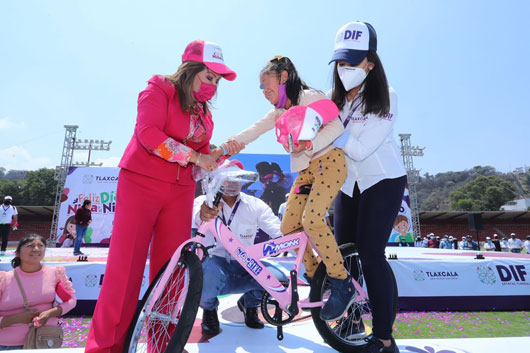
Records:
x=165, y=317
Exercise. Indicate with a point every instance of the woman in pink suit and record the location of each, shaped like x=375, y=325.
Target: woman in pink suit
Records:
x=156, y=188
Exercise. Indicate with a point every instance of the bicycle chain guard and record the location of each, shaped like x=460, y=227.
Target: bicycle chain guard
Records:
x=277, y=319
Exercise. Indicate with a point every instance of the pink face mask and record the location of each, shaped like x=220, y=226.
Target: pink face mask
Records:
x=282, y=97
x=205, y=92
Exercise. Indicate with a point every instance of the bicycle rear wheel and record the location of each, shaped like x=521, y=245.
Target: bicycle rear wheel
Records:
x=154, y=331
x=348, y=333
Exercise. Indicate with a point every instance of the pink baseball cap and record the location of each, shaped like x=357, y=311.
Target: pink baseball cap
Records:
x=303, y=122
x=209, y=54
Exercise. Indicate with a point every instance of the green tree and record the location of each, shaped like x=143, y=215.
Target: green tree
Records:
x=13, y=174
x=12, y=188
x=40, y=187
x=485, y=193
x=37, y=189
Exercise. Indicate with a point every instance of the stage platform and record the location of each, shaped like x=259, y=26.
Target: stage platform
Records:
x=302, y=337
x=247, y=343
x=428, y=279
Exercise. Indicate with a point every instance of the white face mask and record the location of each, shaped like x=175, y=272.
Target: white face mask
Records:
x=351, y=77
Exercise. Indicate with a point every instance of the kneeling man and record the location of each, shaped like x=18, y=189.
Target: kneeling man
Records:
x=222, y=274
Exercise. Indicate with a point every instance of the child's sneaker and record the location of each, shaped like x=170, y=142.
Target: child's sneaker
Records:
x=342, y=296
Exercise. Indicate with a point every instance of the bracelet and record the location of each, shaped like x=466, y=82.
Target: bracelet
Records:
x=198, y=159
x=225, y=150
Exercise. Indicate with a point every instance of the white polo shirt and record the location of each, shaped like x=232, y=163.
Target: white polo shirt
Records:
x=515, y=243
x=527, y=246
x=7, y=213
x=251, y=214
x=489, y=246
x=371, y=152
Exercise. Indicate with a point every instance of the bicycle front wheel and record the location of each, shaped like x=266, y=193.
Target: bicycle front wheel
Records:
x=158, y=330
x=348, y=333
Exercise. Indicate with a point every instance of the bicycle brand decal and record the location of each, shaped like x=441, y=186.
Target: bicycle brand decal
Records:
x=278, y=289
x=251, y=264
x=272, y=248
x=218, y=223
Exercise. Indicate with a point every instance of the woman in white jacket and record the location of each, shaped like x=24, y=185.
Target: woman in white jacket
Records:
x=369, y=201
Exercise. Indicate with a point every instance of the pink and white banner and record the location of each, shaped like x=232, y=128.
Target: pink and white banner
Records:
x=97, y=184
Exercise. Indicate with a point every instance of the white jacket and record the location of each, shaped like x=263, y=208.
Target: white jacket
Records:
x=371, y=152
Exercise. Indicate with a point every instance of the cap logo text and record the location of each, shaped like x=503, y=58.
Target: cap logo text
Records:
x=353, y=35
x=217, y=55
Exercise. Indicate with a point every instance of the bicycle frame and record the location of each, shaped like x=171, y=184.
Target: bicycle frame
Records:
x=249, y=257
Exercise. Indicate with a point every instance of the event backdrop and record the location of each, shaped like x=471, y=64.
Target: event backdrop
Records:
x=402, y=229
x=98, y=184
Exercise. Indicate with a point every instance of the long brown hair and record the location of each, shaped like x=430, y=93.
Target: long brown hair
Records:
x=375, y=96
x=183, y=82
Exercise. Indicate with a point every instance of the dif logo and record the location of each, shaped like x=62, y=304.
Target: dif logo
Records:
x=353, y=35
x=515, y=273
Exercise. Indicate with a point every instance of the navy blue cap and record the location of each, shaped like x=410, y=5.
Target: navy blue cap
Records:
x=353, y=42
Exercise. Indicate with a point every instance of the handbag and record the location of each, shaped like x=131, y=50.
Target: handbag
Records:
x=40, y=337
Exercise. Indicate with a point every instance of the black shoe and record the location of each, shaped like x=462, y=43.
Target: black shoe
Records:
x=210, y=322
x=374, y=345
x=77, y=253
x=340, y=299
x=251, y=315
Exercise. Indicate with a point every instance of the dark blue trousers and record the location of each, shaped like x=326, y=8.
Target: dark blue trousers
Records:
x=366, y=219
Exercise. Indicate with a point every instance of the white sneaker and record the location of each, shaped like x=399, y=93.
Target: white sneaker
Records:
x=2, y=253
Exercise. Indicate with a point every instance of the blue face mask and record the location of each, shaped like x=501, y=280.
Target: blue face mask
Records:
x=282, y=97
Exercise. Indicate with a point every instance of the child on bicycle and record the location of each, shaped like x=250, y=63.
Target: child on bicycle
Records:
x=318, y=163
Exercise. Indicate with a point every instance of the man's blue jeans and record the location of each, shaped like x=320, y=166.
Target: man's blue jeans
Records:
x=80, y=232
x=222, y=277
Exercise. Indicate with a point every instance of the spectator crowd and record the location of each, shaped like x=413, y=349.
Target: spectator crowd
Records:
x=497, y=243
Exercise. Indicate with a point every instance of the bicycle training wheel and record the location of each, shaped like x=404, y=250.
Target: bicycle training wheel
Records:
x=155, y=331
x=348, y=333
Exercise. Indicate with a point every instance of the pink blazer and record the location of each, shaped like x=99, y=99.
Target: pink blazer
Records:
x=160, y=117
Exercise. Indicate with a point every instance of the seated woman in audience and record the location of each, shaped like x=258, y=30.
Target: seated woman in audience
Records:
x=41, y=284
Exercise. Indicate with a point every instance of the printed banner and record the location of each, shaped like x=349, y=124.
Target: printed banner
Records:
x=97, y=184
x=87, y=278
x=462, y=278
x=275, y=178
x=402, y=230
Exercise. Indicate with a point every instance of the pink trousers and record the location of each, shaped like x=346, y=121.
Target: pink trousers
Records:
x=148, y=211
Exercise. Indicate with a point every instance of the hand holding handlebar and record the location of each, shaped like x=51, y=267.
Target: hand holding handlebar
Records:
x=208, y=213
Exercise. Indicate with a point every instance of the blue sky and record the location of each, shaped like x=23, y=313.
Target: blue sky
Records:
x=460, y=69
